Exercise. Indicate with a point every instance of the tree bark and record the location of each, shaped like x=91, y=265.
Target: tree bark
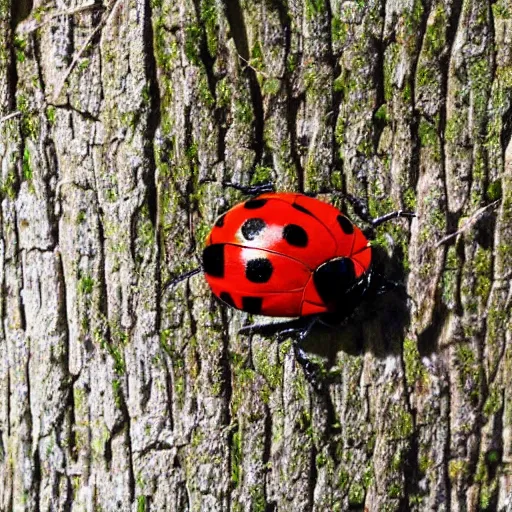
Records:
x=119, y=123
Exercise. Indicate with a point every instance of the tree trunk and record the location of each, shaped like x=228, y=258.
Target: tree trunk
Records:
x=119, y=123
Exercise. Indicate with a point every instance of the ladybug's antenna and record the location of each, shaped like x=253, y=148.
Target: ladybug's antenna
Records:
x=361, y=210
x=393, y=215
x=182, y=277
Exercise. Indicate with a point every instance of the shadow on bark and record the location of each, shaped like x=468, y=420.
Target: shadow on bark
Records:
x=387, y=315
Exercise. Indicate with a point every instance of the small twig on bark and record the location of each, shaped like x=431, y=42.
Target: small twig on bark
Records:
x=469, y=222
x=30, y=24
x=104, y=20
x=250, y=66
x=9, y=116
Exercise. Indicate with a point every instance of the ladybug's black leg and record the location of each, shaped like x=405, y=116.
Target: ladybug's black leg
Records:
x=251, y=190
x=387, y=285
x=267, y=329
x=299, y=332
x=310, y=369
x=297, y=328
x=361, y=210
x=182, y=277
x=393, y=215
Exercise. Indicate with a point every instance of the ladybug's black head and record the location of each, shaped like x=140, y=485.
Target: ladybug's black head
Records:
x=337, y=284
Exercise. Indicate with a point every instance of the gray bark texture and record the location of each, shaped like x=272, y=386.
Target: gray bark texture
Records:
x=119, y=122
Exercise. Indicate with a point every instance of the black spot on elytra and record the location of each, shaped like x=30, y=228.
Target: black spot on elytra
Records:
x=251, y=228
x=213, y=260
x=254, y=204
x=252, y=304
x=258, y=270
x=226, y=297
x=345, y=224
x=220, y=221
x=302, y=209
x=295, y=235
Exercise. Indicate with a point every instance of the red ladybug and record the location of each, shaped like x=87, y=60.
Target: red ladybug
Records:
x=287, y=255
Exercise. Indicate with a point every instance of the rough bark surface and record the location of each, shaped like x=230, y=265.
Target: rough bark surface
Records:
x=119, y=121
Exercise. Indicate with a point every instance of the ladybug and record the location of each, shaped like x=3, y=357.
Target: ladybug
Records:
x=287, y=255
x=290, y=255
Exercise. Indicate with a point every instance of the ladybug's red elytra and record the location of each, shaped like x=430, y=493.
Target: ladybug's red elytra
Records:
x=286, y=255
